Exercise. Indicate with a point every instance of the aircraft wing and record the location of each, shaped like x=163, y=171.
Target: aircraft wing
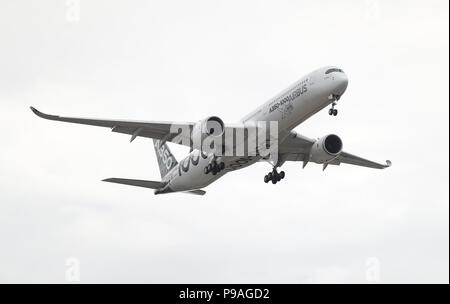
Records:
x=151, y=129
x=351, y=159
x=296, y=148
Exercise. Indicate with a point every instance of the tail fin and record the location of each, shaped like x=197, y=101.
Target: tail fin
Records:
x=166, y=160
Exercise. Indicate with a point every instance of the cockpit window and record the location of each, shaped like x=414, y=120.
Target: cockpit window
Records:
x=334, y=70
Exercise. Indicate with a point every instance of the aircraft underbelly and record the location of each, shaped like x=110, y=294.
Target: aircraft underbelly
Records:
x=195, y=178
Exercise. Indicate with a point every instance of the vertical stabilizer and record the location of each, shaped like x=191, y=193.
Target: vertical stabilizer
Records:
x=166, y=160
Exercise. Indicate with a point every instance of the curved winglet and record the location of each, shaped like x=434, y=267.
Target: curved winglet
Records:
x=43, y=115
x=388, y=163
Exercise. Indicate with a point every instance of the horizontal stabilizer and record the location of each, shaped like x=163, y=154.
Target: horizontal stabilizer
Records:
x=148, y=184
x=136, y=182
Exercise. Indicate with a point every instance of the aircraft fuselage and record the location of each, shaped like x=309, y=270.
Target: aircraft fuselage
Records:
x=289, y=108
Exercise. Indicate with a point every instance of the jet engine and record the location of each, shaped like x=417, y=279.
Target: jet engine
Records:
x=326, y=148
x=210, y=126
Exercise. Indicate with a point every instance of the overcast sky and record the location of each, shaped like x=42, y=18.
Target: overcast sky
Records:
x=183, y=61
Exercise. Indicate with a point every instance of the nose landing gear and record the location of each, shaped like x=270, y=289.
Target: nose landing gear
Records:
x=334, y=111
x=274, y=176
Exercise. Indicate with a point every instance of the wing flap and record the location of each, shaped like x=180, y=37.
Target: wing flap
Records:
x=296, y=144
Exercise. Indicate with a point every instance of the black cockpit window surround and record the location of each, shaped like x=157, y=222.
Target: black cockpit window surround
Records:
x=334, y=70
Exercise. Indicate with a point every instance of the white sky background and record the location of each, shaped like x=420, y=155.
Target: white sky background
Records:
x=183, y=61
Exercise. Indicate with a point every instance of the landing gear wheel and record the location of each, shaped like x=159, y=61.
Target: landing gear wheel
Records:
x=274, y=176
x=214, y=167
x=332, y=111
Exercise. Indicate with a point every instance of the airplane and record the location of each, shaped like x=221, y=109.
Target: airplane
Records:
x=201, y=167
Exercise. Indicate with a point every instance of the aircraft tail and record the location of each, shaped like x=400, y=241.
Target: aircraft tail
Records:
x=166, y=160
x=136, y=182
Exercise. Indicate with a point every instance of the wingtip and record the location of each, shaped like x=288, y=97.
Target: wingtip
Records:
x=388, y=163
x=34, y=110
x=43, y=115
x=37, y=112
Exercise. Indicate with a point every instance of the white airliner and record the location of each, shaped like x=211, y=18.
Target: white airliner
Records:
x=289, y=108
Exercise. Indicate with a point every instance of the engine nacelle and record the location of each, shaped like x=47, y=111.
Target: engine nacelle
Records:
x=210, y=126
x=325, y=149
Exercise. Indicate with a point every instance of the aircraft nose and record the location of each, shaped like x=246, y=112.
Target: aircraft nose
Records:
x=341, y=83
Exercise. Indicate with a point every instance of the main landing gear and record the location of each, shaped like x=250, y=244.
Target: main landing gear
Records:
x=274, y=176
x=334, y=111
x=214, y=167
